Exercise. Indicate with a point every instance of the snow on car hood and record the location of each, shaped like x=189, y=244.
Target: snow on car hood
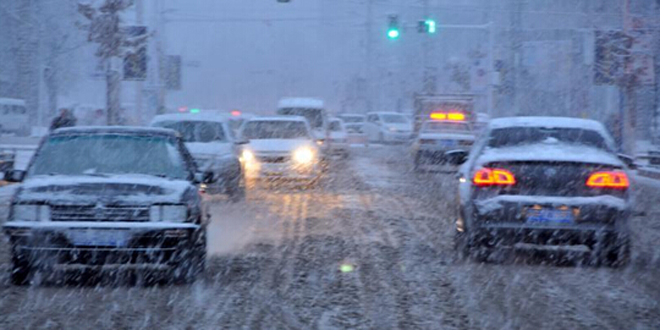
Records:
x=277, y=145
x=550, y=152
x=448, y=136
x=212, y=148
x=120, y=189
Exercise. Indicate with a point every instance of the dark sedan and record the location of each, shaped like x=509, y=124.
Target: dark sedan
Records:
x=108, y=197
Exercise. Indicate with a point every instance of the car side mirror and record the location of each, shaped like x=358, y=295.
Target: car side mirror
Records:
x=456, y=157
x=14, y=176
x=628, y=160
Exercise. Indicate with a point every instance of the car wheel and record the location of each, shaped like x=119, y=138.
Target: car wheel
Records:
x=192, y=262
x=21, y=270
x=462, y=245
x=418, y=163
x=618, y=254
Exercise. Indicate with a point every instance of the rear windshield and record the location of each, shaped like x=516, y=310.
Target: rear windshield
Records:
x=514, y=136
x=313, y=116
x=196, y=131
x=277, y=129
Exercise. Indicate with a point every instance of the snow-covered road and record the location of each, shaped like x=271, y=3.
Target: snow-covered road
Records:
x=274, y=263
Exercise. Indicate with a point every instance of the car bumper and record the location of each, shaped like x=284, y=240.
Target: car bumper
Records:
x=96, y=243
x=282, y=171
x=509, y=222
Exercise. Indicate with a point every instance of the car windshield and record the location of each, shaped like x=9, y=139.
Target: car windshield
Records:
x=353, y=119
x=335, y=126
x=515, y=136
x=394, y=119
x=276, y=129
x=197, y=131
x=107, y=154
x=313, y=116
x=432, y=127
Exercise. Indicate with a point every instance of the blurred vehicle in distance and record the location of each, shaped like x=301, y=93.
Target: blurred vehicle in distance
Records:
x=384, y=127
x=354, y=124
x=338, y=141
x=442, y=133
x=108, y=197
x=14, y=117
x=212, y=142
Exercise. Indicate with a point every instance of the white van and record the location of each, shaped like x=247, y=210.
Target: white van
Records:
x=312, y=109
x=14, y=117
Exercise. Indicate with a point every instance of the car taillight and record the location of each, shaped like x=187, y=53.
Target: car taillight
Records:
x=493, y=177
x=608, y=179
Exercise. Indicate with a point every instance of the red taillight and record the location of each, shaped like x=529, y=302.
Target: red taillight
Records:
x=608, y=179
x=493, y=177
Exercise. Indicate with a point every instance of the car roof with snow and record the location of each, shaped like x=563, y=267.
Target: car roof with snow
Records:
x=546, y=122
x=386, y=113
x=278, y=118
x=218, y=118
x=300, y=102
x=115, y=130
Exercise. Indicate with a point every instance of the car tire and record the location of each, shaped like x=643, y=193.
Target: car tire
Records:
x=618, y=254
x=21, y=270
x=417, y=162
x=462, y=245
x=192, y=263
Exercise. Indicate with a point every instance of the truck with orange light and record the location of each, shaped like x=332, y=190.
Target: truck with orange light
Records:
x=438, y=137
x=425, y=105
x=544, y=184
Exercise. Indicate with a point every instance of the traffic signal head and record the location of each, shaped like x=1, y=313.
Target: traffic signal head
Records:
x=393, y=31
x=427, y=26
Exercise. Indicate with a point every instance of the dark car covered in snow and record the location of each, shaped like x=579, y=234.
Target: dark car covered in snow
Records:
x=108, y=196
x=545, y=183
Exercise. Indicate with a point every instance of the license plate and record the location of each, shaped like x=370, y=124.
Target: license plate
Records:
x=97, y=237
x=550, y=217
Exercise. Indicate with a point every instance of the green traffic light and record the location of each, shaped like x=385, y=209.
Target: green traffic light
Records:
x=194, y=110
x=393, y=34
x=431, y=26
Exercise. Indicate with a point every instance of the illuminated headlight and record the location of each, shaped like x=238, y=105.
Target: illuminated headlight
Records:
x=303, y=156
x=28, y=212
x=247, y=156
x=168, y=213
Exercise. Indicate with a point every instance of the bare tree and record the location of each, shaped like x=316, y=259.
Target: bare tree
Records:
x=104, y=29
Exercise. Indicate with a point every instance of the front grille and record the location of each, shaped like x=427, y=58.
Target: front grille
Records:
x=99, y=213
x=273, y=159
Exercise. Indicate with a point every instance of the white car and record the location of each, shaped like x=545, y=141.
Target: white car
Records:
x=388, y=127
x=210, y=140
x=311, y=109
x=338, y=141
x=354, y=124
x=279, y=147
x=437, y=138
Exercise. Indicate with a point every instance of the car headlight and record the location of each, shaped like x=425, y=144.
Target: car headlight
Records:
x=168, y=213
x=247, y=156
x=30, y=212
x=303, y=155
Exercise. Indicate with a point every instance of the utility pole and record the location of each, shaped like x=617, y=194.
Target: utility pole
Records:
x=428, y=77
x=629, y=102
x=139, y=21
x=369, y=44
